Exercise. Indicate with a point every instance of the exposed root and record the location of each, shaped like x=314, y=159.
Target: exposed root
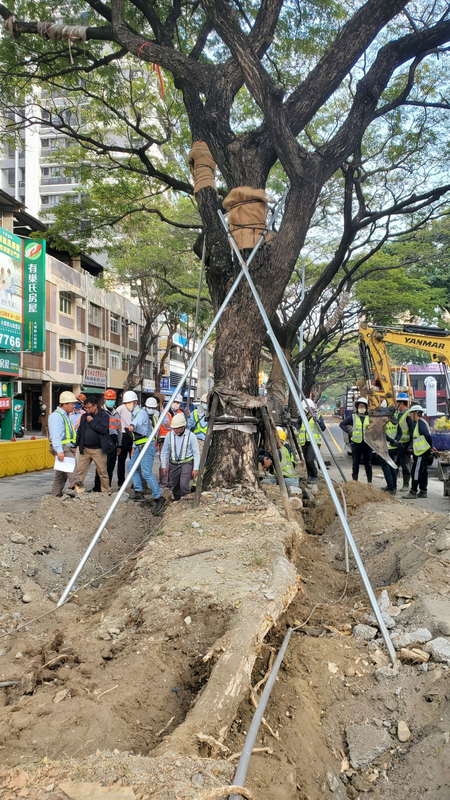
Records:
x=225, y=791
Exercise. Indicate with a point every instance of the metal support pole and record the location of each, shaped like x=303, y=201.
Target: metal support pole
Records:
x=162, y=416
x=276, y=463
x=242, y=767
x=206, y=446
x=283, y=361
x=197, y=311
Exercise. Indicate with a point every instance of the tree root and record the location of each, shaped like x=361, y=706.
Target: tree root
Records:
x=225, y=791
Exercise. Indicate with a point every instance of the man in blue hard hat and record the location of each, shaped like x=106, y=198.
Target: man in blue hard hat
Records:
x=407, y=426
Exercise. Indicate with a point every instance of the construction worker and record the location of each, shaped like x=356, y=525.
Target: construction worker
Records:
x=63, y=443
x=94, y=442
x=78, y=411
x=287, y=462
x=176, y=405
x=407, y=426
x=422, y=448
x=355, y=426
x=393, y=437
x=115, y=433
x=198, y=421
x=127, y=438
x=180, y=457
x=316, y=425
x=140, y=428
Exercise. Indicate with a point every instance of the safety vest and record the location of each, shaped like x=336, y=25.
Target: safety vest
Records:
x=359, y=427
x=163, y=431
x=391, y=430
x=199, y=428
x=420, y=444
x=404, y=426
x=75, y=426
x=303, y=438
x=138, y=439
x=173, y=457
x=71, y=436
x=287, y=463
x=114, y=422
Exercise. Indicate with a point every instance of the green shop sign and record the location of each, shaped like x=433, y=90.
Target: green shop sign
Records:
x=22, y=293
x=9, y=363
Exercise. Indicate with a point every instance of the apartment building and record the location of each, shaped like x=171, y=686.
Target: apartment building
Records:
x=91, y=334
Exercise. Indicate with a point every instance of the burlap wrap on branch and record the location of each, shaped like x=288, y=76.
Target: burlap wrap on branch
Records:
x=247, y=209
x=202, y=166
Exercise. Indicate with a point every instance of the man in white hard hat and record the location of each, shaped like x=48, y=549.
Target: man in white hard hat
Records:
x=304, y=439
x=180, y=456
x=407, y=426
x=63, y=443
x=127, y=439
x=141, y=428
x=198, y=421
x=422, y=448
x=176, y=405
x=355, y=426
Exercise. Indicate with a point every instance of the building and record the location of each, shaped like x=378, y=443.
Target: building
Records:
x=91, y=334
x=30, y=173
x=418, y=373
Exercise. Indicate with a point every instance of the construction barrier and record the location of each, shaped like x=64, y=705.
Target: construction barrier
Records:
x=26, y=455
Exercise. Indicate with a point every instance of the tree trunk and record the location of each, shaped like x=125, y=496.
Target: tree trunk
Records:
x=276, y=389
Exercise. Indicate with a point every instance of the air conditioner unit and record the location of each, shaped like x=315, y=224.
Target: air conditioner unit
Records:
x=127, y=321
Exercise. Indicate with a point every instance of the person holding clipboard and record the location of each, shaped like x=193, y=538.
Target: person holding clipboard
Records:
x=63, y=445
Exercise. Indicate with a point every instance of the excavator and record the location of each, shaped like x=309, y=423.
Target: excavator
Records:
x=381, y=381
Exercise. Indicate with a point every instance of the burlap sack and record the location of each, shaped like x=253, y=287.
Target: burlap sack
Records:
x=247, y=209
x=202, y=166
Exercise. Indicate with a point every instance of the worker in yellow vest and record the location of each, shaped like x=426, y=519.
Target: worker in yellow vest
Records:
x=393, y=437
x=355, y=426
x=422, y=449
x=315, y=425
x=286, y=461
x=407, y=426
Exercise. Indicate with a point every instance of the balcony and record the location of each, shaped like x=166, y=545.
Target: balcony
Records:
x=58, y=181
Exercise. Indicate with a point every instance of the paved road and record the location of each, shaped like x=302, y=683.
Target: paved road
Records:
x=435, y=500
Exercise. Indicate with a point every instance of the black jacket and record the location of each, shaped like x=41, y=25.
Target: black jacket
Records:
x=100, y=424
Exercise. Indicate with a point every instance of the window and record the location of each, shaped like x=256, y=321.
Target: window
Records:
x=44, y=199
x=114, y=324
x=147, y=369
x=95, y=315
x=65, y=349
x=96, y=356
x=11, y=177
x=115, y=359
x=45, y=116
x=45, y=143
x=132, y=330
x=65, y=303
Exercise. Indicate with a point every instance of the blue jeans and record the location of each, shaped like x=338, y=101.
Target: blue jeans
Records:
x=146, y=467
x=389, y=472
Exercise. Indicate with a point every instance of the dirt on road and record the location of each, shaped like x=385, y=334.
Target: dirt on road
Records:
x=141, y=683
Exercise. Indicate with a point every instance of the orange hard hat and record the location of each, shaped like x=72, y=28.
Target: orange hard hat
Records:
x=81, y=397
x=110, y=394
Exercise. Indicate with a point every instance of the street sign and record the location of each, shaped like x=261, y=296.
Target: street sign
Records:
x=165, y=384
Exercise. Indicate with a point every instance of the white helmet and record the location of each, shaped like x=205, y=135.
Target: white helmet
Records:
x=417, y=408
x=129, y=397
x=178, y=421
x=151, y=402
x=204, y=398
x=362, y=400
x=178, y=399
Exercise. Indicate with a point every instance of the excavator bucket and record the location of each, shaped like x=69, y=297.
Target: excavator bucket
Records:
x=375, y=436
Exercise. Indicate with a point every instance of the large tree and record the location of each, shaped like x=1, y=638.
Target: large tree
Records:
x=280, y=92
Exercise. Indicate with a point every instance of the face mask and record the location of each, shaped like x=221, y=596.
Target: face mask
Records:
x=109, y=403
x=151, y=411
x=175, y=406
x=129, y=406
x=77, y=406
x=361, y=409
x=205, y=406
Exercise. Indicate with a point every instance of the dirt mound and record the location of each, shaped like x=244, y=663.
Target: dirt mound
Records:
x=121, y=666
x=356, y=494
